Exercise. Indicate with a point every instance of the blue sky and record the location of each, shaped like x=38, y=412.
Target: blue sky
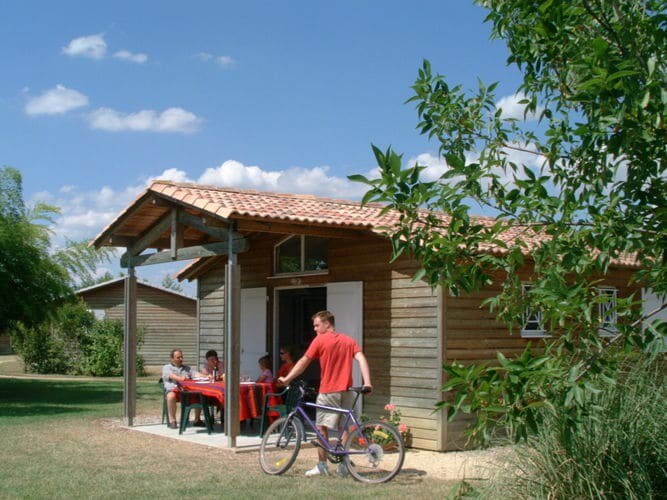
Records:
x=98, y=98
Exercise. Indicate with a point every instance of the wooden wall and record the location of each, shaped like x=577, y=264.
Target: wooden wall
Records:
x=168, y=320
x=472, y=335
x=401, y=325
x=211, y=312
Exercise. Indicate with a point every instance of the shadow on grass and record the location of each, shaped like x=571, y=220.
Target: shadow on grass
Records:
x=29, y=398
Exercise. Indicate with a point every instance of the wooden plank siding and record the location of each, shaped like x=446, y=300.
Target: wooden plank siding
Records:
x=474, y=336
x=401, y=324
x=211, y=312
x=168, y=320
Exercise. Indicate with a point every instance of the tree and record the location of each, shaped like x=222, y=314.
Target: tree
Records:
x=171, y=284
x=32, y=279
x=594, y=77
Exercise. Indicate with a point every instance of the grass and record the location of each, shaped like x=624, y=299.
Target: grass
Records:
x=61, y=440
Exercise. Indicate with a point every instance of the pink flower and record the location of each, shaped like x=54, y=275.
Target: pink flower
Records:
x=389, y=407
x=402, y=428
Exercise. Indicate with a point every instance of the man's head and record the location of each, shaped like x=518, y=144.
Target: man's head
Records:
x=177, y=357
x=323, y=321
x=211, y=359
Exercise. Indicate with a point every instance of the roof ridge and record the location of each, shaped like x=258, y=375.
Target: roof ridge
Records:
x=276, y=194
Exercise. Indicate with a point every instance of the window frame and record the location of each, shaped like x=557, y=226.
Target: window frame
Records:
x=604, y=330
x=302, y=257
x=531, y=333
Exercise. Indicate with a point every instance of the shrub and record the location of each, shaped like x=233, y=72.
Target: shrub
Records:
x=72, y=341
x=617, y=449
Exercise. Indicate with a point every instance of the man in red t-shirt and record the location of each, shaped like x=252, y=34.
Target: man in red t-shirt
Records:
x=335, y=352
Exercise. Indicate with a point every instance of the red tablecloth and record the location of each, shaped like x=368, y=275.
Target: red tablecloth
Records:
x=251, y=396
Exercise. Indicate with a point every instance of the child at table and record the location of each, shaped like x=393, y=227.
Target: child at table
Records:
x=266, y=375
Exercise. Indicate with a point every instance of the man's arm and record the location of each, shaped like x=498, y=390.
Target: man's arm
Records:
x=296, y=370
x=365, y=371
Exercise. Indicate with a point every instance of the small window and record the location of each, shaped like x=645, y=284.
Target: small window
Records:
x=532, y=318
x=607, y=304
x=99, y=314
x=301, y=254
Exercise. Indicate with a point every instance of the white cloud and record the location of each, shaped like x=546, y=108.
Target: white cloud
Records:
x=513, y=108
x=56, y=101
x=126, y=55
x=315, y=180
x=148, y=120
x=224, y=61
x=91, y=47
x=435, y=166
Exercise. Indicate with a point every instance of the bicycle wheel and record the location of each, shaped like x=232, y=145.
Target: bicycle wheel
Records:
x=280, y=445
x=375, y=452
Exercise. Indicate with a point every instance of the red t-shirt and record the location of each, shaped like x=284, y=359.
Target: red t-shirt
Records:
x=284, y=369
x=336, y=354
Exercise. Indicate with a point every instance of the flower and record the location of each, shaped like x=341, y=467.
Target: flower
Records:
x=402, y=428
x=389, y=407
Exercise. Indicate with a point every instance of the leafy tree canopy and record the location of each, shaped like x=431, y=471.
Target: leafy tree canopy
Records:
x=587, y=189
x=32, y=279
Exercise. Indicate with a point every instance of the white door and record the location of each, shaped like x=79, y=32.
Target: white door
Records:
x=253, y=330
x=345, y=301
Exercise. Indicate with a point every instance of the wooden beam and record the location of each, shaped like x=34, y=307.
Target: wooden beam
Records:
x=119, y=241
x=151, y=235
x=201, y=224
x=232, y=349
x=176, y=236
x=130, y=338
x=246, y=226
x=187, y=253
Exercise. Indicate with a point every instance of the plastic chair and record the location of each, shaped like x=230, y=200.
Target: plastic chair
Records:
x=290, y=397
x=165, y=412
x=192, y=400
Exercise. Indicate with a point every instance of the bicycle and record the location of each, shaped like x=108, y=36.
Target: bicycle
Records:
x=373, y=451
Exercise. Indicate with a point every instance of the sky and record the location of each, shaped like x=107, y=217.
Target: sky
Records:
x=98, y=98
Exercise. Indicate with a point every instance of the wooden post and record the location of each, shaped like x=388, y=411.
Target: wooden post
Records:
x=130, y=366
x=232, y=345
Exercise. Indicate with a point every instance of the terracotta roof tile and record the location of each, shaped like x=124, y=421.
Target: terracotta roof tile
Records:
x=232, y=202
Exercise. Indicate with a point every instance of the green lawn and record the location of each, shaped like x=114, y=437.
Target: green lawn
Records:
x=61, y=439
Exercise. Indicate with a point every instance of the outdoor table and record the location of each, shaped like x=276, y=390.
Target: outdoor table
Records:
x=251, y=395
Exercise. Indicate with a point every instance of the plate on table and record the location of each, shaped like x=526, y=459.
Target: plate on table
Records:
x=200, y=379
x=247, y=383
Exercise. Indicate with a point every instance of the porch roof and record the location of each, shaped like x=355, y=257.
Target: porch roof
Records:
x=257, y=211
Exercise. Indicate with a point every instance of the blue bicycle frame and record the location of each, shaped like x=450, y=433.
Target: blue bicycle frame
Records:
x=337, y=449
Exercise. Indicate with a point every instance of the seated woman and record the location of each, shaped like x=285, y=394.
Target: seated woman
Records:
x=287, y=360
x=266, y=375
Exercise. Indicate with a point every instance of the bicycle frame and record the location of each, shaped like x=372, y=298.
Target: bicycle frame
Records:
x=337, y=448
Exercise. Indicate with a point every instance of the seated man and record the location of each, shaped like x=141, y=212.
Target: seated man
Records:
x=213, y=364
x=172, y=373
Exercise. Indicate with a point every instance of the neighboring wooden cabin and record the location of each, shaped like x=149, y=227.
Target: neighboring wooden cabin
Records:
x=301, y=254
x=168, y=318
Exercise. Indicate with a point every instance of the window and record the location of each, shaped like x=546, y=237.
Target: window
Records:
x=532, y=318
x=98, y=313
x=607, y=310
x=301, y=254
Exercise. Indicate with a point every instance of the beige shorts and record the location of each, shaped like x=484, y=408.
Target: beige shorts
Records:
x=330, y=419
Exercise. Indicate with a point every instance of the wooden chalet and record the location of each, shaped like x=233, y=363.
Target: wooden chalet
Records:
x=168, y=318
x=266, y=262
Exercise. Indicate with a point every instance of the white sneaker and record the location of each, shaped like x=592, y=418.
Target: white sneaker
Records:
x=320, y=469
